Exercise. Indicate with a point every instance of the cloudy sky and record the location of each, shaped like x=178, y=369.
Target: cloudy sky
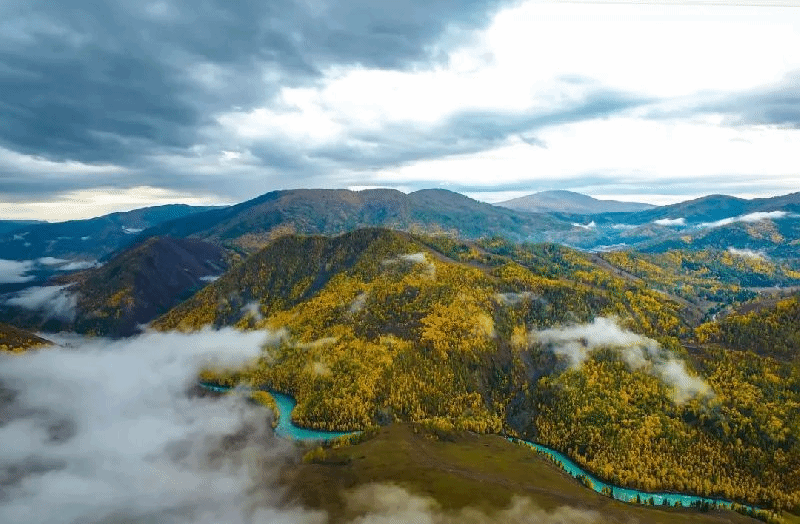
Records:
x=125, y=103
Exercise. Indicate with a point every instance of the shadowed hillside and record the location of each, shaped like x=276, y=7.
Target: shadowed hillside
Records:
x=131, y=289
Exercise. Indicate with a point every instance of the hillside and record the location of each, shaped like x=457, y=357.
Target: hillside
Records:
x=570, y=202
x=376, y=326
x=250, y=225
x=11, y=225
x=15, y=340
x=769, y=226
x=767, y=326
x=715, y=207
x=137, y=285
x=90, y=239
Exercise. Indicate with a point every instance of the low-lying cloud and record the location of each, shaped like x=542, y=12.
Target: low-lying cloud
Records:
x=749, y=218
x=104, y=431
x=748, y=253
x=577, y=342
x=60, y=264
x=670, y=221
x=390, y=504
x=50, y=301
x=15, y=272
x=514, y=299
x=415, y=259
x=19, y=271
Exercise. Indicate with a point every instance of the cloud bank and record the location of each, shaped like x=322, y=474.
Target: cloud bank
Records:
x=15, y=272
x=577, y=343
x=749, y=218
x=103, y=431
x=51, y=301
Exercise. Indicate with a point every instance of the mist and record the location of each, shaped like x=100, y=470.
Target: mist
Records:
x=104, y=431
x=577, y=342
x=420, y=259
x=389, y=504
x=15, y=272
x=51, y=301
x=749, y=218
x=670, y=221
x=748, y=253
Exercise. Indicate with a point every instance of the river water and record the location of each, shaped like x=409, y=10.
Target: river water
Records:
x=287, y=429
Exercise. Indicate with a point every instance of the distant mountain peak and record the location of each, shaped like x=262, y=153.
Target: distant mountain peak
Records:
x=564, y=201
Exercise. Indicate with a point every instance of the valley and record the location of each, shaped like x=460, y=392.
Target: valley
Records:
x=658, y=369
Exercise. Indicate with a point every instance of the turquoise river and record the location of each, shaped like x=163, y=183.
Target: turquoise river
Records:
x=288, y=430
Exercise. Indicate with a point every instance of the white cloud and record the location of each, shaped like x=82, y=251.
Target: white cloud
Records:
x=505, y=70
x=748, y=218
x=79, y=264
x=626, y=151
x=104, y=430
x=513, y=299
x=525, y=60
x=51, y=301
x=253, y=310
x=51, y=261
x=60, y=264
x=15, y=272
x=670, y=221
x=420, y=259
x=577, y=343
x=748, y=253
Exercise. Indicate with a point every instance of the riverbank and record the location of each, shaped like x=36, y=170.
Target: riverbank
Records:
x=287, y=429
x=484, y=472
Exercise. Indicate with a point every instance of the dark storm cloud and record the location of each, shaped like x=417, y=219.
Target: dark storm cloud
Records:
x=104, y=81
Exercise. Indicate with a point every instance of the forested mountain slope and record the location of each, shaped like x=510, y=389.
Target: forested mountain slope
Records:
x=15, y=339
x=768, y=327
x=137, y=285
x=375, y=326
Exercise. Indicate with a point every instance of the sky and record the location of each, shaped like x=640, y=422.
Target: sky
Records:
x=120, y=104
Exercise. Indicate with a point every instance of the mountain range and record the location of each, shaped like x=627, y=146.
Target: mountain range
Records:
x=250, y=225
x=84, y=240
x=649, y=367
x=717, y=221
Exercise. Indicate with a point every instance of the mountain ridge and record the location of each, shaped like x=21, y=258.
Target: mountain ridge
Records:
x=250, y=225
x=562, y=201
x=88, y=239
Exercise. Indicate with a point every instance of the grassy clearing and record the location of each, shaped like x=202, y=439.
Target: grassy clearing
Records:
x=483, y=472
